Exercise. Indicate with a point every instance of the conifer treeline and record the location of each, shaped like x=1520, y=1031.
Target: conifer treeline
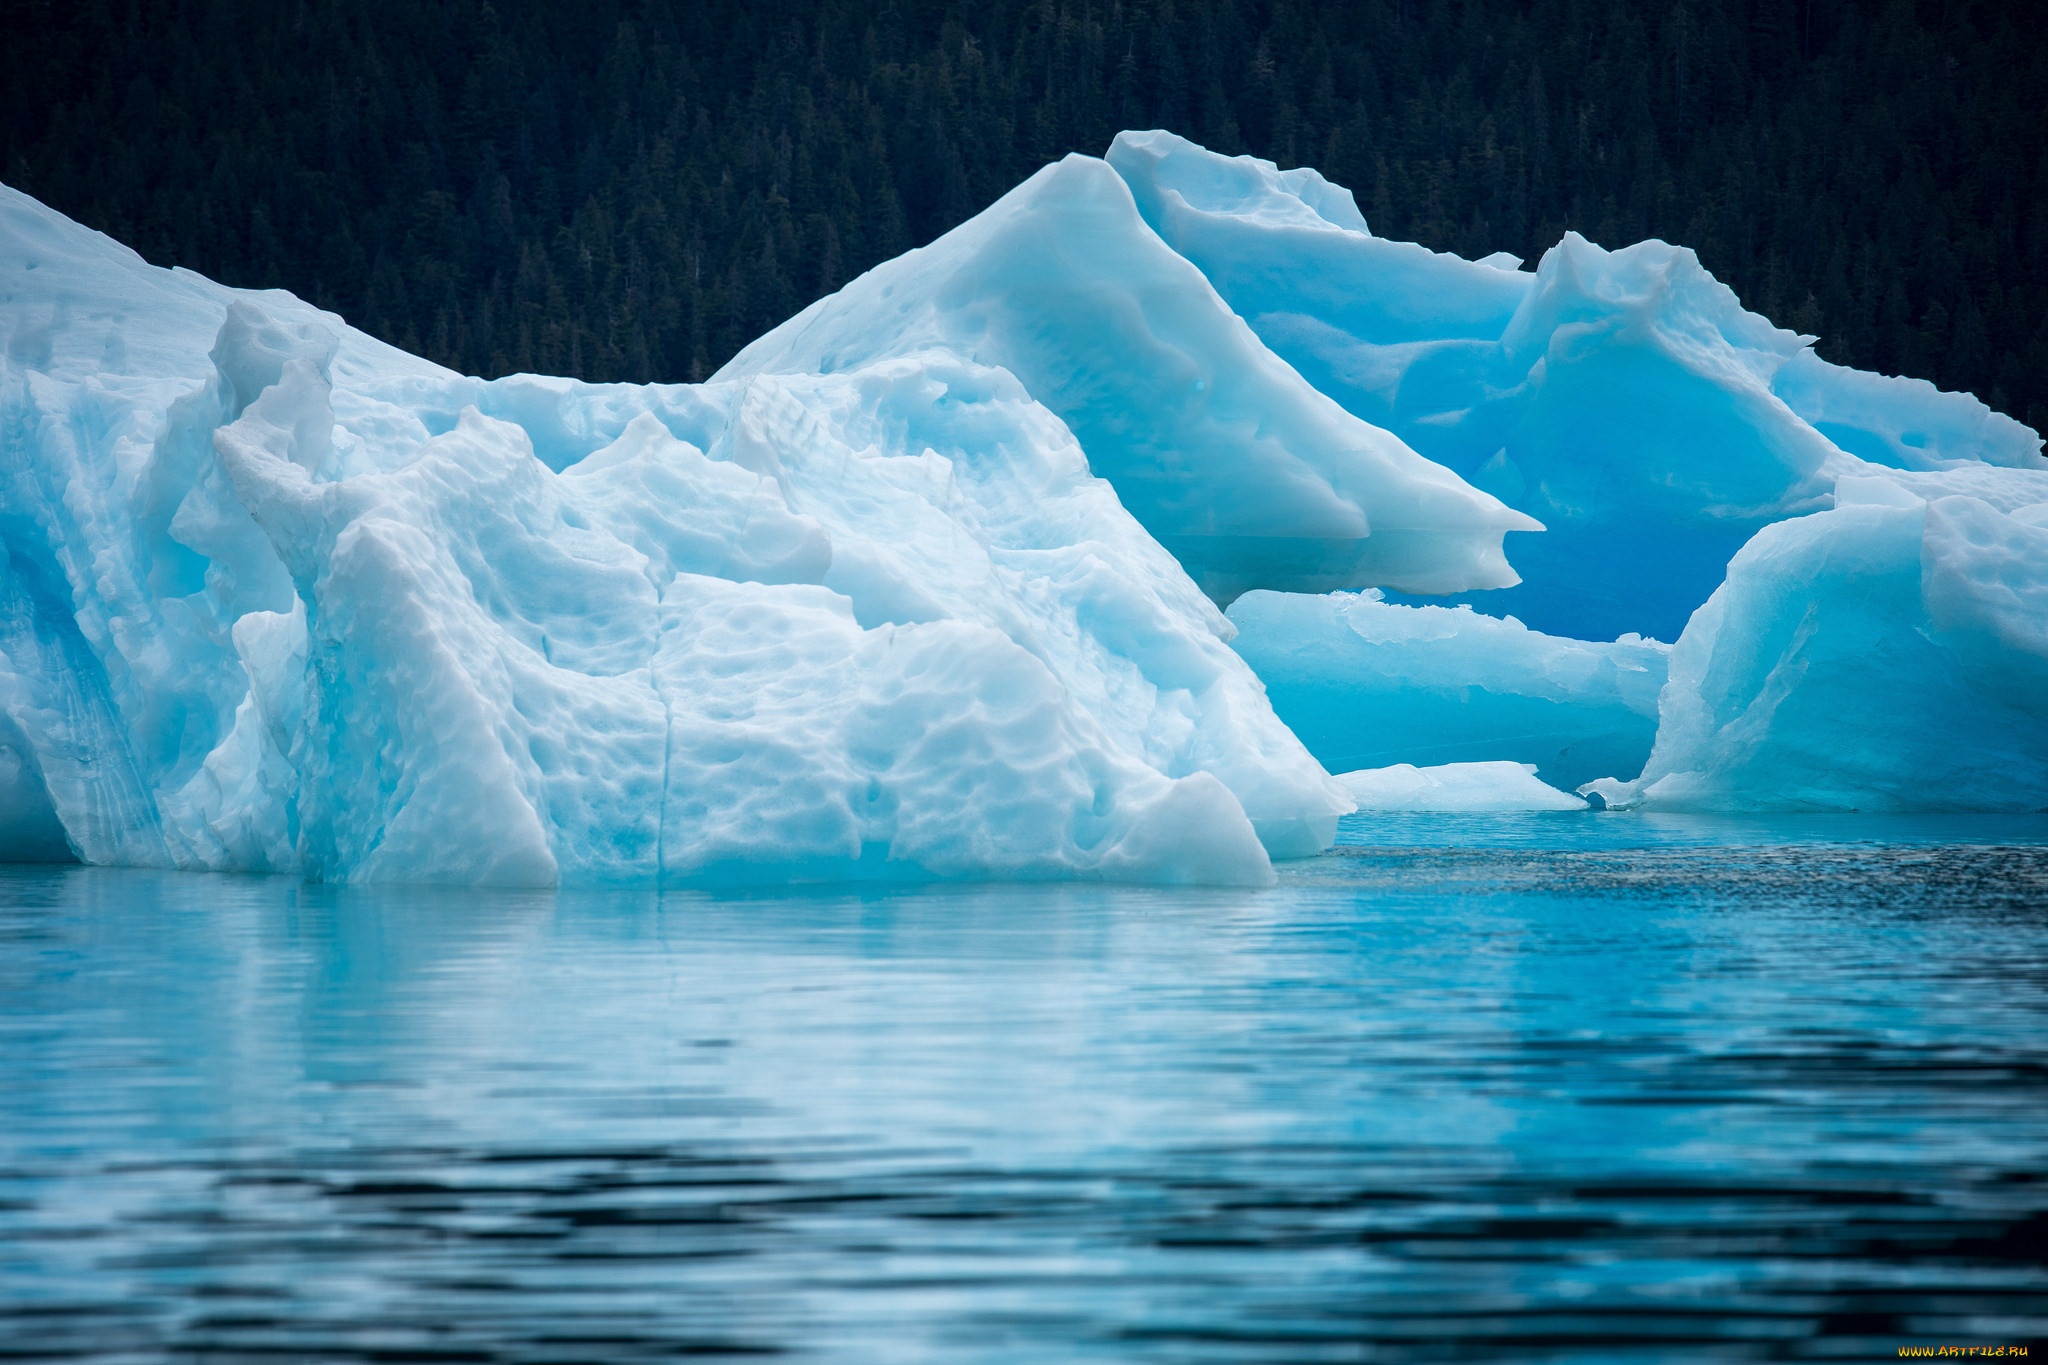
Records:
x=633, y=189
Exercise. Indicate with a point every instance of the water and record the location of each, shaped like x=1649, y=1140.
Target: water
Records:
x=1527, y=1088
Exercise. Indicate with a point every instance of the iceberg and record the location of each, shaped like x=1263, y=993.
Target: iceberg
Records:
x=1367, y=683
x=930, y=581
x=1456, y=787
x=1625, y=399
x=277, y=597
x=1890, y=654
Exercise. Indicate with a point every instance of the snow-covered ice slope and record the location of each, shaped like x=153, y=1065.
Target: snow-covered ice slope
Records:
x=1889, y=654
x=276, y=596
x=1248, y=475
x=1623, y=398
x=1368, y=684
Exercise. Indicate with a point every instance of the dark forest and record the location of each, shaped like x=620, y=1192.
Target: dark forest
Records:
x=633, y=189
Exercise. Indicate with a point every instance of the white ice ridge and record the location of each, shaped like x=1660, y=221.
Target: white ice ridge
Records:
x=276, y=596
x=1248, y=475
x=1471, y=787
x=1889, y=654
x=1366, y=683
x=1623, y=398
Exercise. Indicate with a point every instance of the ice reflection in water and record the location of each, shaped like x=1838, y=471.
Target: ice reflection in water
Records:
x=1717, y=1096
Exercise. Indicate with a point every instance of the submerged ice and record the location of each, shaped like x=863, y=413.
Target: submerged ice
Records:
x=927, y=582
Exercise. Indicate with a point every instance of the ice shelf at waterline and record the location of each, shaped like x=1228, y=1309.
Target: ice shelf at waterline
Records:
x=926, y=582
x=1492, y=787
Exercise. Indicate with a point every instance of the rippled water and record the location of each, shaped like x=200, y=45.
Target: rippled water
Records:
x=1530, y=1088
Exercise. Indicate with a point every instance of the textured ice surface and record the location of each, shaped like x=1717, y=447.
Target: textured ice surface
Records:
x=1367, y=683
x=1889, y=654
x=1249, y=476
x=1499, y=786
x=1623, y=398
x=1876, y=656
x=276, y=596
x=925, y=583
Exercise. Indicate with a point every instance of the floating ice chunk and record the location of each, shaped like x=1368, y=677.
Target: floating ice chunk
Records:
x=275, y=597
x=1366, y=683
x=1625, y=399
x=1890, y=654
x=1250, y=477
x=1497, y=786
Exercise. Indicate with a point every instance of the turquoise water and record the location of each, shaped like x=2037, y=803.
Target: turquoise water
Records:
x=1491, y=1088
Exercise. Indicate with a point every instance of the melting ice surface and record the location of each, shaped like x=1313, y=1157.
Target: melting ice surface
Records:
x=1459, y=787
x=928, y=582
x=280, y=598
x=1878, y=641
x=1890, y=654
x=1623, y=398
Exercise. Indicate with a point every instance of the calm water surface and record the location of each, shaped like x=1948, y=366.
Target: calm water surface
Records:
x=1499, y=1088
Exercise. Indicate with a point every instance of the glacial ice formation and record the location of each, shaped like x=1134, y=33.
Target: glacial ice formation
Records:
x=1623, y=398
x=1246, y=474
x=1366, y=683
x=277, y=597
x=1461, y=787
x=1627, y=400
x=926, y=582
x=1889, y=654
